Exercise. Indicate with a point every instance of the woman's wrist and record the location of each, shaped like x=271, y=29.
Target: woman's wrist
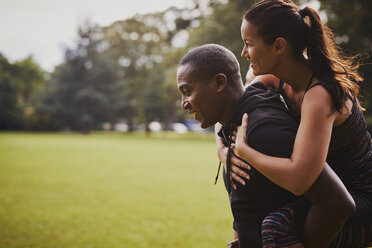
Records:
x=243, y=151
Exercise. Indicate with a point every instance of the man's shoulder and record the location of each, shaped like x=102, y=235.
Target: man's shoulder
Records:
x=269, y=119
x=272, y=137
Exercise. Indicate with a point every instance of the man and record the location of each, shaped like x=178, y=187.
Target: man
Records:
x=210, y=83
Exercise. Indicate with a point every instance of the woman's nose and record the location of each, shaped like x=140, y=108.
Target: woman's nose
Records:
x=244, y=53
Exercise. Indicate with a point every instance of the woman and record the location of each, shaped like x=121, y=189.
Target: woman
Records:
x=320, y=91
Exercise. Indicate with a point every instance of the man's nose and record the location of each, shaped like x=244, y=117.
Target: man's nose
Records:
x=185, y=104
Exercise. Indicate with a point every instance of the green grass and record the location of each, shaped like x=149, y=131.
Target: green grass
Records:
x=111, y=190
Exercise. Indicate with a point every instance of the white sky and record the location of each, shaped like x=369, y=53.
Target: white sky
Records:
x=42, y=28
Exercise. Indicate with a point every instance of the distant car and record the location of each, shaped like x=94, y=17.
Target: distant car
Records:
x=121, y=127
x=106, y=126
x=179, y=127
x=194, y=126
x=155, y=126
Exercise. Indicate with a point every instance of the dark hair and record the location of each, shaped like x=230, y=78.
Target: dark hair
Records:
x=211, y=59
x=303, y=29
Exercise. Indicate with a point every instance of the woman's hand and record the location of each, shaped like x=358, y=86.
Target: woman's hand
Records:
x=240, y=137
x=236, y=173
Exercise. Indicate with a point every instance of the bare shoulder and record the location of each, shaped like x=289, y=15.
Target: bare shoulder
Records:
x=317, y=100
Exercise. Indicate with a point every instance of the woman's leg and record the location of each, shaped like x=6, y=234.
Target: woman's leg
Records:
x=357, y=232
x=332, y=206
x=282, y=228
x=313, y=224
x=353, y=236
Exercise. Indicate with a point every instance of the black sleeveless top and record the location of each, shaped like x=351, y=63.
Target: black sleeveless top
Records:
x=350, y=150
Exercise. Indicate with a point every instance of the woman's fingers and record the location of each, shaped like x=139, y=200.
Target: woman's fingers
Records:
x=245, y=120
x=233, y=184
x=238, y=162
x=233, y=244
x=239, y=173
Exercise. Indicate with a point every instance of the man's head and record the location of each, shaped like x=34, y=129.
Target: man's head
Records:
x=207, y=77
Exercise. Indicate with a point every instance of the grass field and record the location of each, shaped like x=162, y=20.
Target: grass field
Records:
x=111, y=190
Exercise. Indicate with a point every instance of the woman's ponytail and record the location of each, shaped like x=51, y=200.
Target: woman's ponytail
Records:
x=319, y=48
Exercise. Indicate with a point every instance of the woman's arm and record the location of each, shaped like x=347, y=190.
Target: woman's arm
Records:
x=300, y=171
x=268, y=80
x=304, y=171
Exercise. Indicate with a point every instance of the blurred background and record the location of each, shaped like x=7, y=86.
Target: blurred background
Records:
x=122, y=74
x=143, y=177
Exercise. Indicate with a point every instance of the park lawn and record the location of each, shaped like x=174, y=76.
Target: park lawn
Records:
x=111, y=190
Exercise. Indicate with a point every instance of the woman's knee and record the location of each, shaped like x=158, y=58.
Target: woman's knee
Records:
x=279, y=229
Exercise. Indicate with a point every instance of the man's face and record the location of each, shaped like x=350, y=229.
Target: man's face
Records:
x=199, y=98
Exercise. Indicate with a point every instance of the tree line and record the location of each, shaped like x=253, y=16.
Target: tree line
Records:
x=126, y=72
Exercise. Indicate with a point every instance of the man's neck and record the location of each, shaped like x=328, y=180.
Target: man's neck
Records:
x=230, y=103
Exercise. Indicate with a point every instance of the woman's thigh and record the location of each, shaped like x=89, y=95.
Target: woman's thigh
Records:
x=284, y=226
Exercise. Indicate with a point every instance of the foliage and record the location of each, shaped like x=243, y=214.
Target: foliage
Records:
x=136, y=48
x=352, y=23
x=117, y=73
x=223, y=27
x=20, y=83
x=83, y=88
x=126, y=72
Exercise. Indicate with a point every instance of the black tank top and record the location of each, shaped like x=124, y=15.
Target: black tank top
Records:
x=350, y=150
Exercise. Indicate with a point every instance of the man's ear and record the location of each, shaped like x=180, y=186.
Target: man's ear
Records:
x=280, y=45
x=221, y=82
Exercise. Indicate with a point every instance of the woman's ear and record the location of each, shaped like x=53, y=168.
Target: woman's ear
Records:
x=221, y=81
x=280, y=45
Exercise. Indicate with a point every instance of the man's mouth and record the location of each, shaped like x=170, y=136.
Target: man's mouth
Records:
x=194, y=114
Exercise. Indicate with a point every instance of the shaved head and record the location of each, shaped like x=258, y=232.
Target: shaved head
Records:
x=208, y=60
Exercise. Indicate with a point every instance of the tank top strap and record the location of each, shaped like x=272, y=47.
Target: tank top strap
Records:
x=281, y=87
x=309, y=83
x=351, y=98
x=309, y=87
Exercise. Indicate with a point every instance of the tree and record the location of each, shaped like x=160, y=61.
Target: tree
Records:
x=84, y=85
x=20, y=83
x=352, y=23
x=138, y=46
x=10, y=112
x=222, y=26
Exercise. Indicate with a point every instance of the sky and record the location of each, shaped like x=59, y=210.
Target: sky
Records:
x=43, y=28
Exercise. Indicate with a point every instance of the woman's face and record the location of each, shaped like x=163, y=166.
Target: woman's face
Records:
x=261, y=55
